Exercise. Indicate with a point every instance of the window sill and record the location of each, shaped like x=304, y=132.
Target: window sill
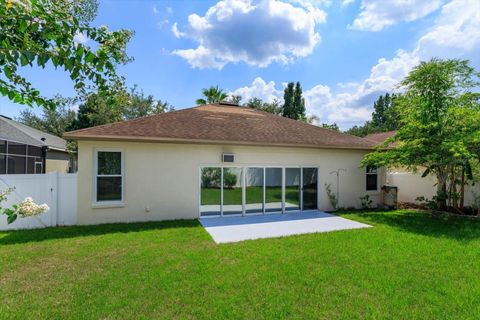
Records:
x=100, y=205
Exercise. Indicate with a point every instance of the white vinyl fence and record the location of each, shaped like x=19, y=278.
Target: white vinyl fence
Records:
x=57, y=190
x=412, y=185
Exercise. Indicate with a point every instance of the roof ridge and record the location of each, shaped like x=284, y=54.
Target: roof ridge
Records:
x=235, y=123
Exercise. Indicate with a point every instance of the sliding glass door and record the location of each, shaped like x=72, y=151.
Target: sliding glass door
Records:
x=210, y=192
x=292, y=189
x=254, y=179
x=231, y=191
x=273, y=189
x=310, y=188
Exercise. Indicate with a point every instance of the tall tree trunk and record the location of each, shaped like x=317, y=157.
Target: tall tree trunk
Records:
x=453, y=189
x=462, y=189
x=442, y=176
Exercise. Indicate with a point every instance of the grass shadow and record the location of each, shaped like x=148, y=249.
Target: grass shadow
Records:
x=423, y=223
x=36, y=235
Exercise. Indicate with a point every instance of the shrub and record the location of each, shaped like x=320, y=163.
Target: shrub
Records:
x=366, y=202
x=26, y=208
x=331, y=196
x=229, y=179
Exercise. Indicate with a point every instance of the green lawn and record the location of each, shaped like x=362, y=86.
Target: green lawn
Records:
x=253, y=195
x=407, y=266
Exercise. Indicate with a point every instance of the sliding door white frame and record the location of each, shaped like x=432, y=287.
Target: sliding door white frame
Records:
x=243, y=180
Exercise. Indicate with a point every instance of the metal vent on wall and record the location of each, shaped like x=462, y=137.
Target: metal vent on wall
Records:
x=228, y=157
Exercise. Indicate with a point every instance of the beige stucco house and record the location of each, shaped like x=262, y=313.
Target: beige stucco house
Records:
x=215, y=160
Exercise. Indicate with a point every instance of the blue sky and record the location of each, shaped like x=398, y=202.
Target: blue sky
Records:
x=344, y=52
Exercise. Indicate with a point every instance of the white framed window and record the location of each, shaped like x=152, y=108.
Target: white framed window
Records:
x=372, y=178
x=109, y=180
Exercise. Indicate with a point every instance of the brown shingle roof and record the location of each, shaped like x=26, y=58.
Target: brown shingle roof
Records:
x=380, y=137
x=222, y=124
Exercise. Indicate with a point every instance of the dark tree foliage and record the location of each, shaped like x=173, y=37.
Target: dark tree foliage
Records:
x=294, y=103
x=332, y=126
x=273, y=107
x=385, y=117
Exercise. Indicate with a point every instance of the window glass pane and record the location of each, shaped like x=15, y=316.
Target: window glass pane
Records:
x=310, y=188
x=34, y=151
x=371, y=182
x=254, y=190
x=16, y=165
x=210, y=191
x=3, y=164
x=109, y=188
x=232, y=191
x=17, y=148
x=3, y=146
x=30, y=165
x=292, y=189
x=109, y=163
x=273, y=189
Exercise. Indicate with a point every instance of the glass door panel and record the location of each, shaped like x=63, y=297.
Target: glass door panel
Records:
x=273, y=189
x=210, y=193
x=254, y=190
x=310, y=188
x=292, y=189
x=232, y=191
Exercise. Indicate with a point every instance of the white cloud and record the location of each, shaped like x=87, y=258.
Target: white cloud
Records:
x=259, y=89
x=155, y=10
x=162, y=23
x=347, y=2
x=454, y=34
x=176, y=32
x=257, y=33
x=378, y=14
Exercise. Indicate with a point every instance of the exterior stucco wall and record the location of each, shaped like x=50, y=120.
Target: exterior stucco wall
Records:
x=60, y=166
x=165, y=177
x=57, y=161
x=411, y=185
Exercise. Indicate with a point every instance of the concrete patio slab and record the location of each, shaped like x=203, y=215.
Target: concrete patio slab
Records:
x=234, y=229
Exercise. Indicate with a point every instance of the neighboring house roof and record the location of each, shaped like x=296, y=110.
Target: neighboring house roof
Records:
x=15, y=131
x=380, y=137
x=222, y=124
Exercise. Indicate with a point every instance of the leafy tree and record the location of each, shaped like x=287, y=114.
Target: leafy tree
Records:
x=97, y=110
x=55, y=121
x=299, y=103
x=288, y=101
x=360, y=131
x=294, y=103
x=273, y=107
x=44, y=32
x=235, y=99
x=332, y=126
x=385, y=117
x=212, y=95
x=140, y=105
x=440, y=118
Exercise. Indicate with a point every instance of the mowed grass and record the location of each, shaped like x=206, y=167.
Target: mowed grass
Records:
x=253, y=195
x=408, y=266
